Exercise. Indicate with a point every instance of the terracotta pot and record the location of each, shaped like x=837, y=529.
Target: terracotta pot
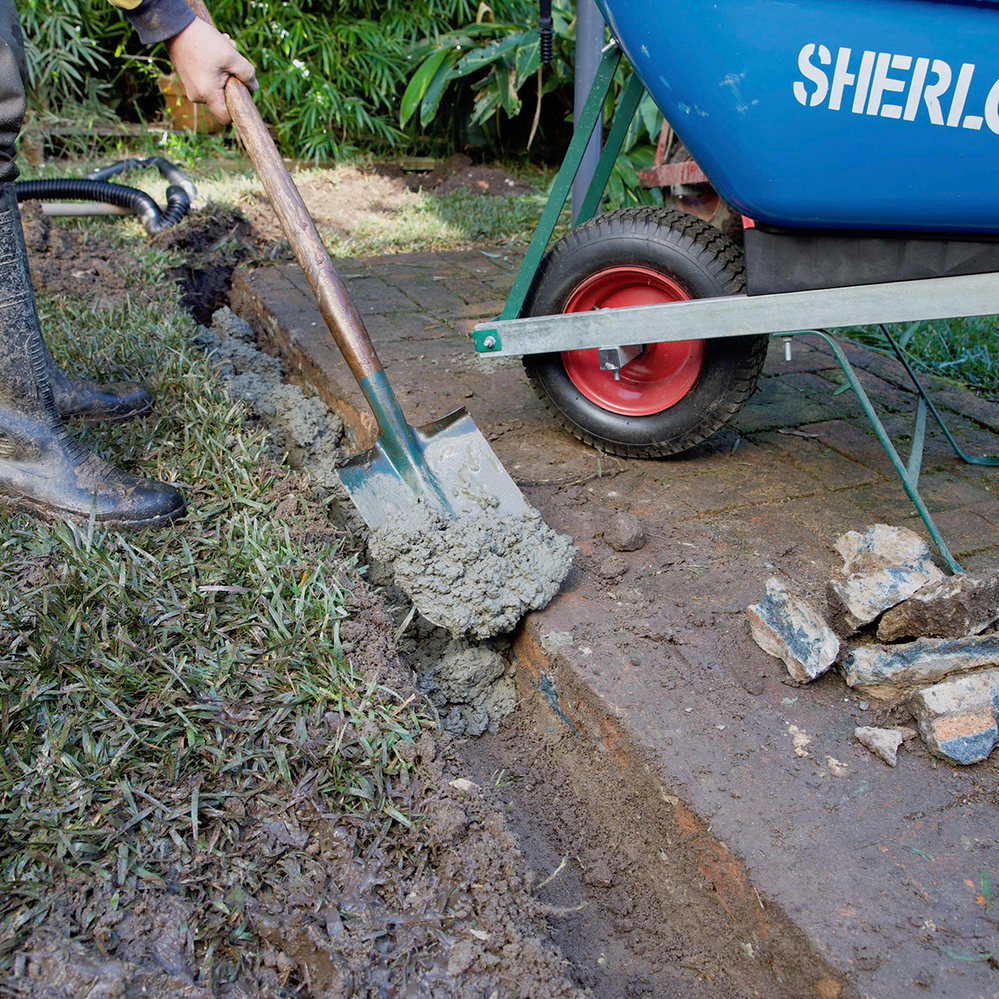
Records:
x=185, y=115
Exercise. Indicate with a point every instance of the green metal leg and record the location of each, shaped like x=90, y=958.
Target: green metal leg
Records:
x=623, y=117
x=589, y=118
x=926, y=402
x=909, y=470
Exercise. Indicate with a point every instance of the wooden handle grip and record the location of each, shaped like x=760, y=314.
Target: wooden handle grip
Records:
x=337, y=309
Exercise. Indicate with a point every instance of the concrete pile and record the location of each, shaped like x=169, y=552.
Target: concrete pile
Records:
x=897, y=628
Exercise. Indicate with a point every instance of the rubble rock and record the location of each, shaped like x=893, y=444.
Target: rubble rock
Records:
x=884, y=547
x=884, y=670
x=884, y=565
x=958, y=718
x=790, y=628
x=624, y=532
x=953, y=607
x=882, y=742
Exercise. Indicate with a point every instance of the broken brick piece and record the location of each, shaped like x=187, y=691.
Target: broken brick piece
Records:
x=953, y=607
x=884, y=670
x=884, y=566
x=882, y=742
x=959, y=718
x=791, y=629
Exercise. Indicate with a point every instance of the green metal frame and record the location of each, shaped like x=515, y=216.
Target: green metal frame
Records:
x=589, y=117
x=487, y=340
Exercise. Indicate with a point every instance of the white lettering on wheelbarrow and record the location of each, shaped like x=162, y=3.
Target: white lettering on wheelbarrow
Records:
x=868, y=82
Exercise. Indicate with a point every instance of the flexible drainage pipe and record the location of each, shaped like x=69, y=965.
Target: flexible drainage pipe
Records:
x=95, y=188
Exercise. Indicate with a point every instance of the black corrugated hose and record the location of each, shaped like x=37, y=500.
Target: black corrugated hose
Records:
x=95, y=187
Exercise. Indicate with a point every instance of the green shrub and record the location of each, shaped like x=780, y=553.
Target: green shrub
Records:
x=331, y=73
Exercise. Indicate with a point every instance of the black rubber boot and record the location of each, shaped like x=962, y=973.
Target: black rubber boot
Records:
x=80, y=398
x=43, y=469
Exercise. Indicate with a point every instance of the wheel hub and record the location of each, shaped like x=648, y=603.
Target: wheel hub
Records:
x=662, y=374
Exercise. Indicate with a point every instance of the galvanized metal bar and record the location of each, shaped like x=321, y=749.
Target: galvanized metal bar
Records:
x=908, y=483
x=741, y=315
x=623, y=117
x=591, y=114
x=988, y=462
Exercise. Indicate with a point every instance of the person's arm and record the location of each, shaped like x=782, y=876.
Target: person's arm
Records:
x=203, y=57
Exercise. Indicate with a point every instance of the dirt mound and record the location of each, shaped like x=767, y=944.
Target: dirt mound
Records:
x=82, y=261
x=337, y=199
x=213, y=240
x=457, y=173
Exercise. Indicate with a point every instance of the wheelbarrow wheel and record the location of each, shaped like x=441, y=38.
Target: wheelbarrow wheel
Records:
x=672, y=396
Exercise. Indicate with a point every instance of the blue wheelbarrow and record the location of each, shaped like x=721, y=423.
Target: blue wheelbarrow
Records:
x=857, y=138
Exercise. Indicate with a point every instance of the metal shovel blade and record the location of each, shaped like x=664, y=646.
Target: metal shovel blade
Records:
x=465, y=475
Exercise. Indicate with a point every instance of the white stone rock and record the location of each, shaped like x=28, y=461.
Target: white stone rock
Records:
x=791, y=629
x=884, y=565
x=882, y=742
x=882, y=546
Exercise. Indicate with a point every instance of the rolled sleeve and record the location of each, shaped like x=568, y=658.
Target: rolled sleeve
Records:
x=156, y=20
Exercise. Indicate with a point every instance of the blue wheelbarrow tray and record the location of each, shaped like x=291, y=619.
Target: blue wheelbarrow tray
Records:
x=860, y=114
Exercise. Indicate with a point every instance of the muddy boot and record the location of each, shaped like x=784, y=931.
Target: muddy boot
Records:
x=42, y=468
x=95, y=403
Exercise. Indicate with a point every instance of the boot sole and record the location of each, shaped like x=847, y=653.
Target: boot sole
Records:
x=50, y=514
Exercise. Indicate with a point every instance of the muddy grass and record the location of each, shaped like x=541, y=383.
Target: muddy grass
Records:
x=268, y=894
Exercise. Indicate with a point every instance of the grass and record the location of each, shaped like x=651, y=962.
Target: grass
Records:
x=161, y=691
x=422, y=221
x=962, y=350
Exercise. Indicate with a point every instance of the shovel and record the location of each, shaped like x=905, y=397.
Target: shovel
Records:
x=448, y=464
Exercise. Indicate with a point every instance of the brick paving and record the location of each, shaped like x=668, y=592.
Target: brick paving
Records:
x=660, y=655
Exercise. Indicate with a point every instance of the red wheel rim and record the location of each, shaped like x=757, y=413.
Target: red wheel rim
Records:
x=657, y=379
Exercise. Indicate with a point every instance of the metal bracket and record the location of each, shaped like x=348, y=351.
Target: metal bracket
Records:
x=615, y=358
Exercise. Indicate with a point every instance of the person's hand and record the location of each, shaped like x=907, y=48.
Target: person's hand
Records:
x=205, y=59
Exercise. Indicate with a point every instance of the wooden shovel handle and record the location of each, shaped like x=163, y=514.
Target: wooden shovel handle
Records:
x=335, y=305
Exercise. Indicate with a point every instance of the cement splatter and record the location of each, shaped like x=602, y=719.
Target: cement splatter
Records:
x=471, y=685
x=474, y=576
x=303, y=431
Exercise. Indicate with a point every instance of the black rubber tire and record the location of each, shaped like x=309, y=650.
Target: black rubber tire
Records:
x=707, y=264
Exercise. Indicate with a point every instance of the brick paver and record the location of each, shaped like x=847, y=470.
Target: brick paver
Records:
x=661, y=685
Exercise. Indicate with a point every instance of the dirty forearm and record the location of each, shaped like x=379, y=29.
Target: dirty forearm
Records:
x=156, y=20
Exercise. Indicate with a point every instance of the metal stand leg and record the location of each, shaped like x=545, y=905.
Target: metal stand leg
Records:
x=589, y=119
x=926, y=402
x=909, y=470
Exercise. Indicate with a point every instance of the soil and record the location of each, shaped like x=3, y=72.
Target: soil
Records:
x=452, y=910
x=74, y=261
x=345, y=199
x=458, y=174
x=213, y=241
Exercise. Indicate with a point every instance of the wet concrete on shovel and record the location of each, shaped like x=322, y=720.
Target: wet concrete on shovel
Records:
x=714, y=815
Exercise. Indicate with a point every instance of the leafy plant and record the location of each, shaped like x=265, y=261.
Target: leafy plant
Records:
x=501, y=49
x=63, y=50
x=331, y=73
x=499, y=57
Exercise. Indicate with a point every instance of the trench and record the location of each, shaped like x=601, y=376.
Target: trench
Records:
x=631, y=915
